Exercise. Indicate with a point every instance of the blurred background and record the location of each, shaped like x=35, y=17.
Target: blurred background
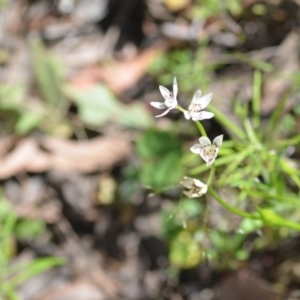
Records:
x=90, y=202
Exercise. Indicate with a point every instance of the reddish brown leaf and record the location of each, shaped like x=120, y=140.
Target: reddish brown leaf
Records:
x=86, y=156
x=25, y=157
x=64, y=155
x=121, y=75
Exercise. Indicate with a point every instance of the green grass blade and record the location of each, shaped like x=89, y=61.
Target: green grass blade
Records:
x=225, y=121
x=35, y=267
x=239, y=157
x=274, y=120
x=252, y=136
x=257, y=83
x=219, y=162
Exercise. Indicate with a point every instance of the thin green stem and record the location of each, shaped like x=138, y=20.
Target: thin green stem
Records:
x=211, y=175
x=231, y=208
x=201, y=128
x=180, y=108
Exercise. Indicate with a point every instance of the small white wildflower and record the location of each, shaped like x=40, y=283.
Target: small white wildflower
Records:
x=170, y=99
x=195, y=186
x=207, y=150
x=197, y=104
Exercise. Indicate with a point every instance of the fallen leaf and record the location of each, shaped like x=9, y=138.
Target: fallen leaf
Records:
x=6, y=143
x=25, y=157
x=121, y=75
x=77, y=290
x=86, y=156
x=63, y=155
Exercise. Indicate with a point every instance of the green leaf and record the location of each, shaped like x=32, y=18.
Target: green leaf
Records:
x=242, y=254
x=135, y=116
x=170, y=225
x=270, y=218
x=250, y=225
x=191, y=207
x=224, y=241
x=5, y=208
x=185, y=252
x=28, y=121
x=218, y=239
x=162, y=173
x=11, y=96
x=157, y=143
x=23, y=115
x=97, y=105
x=29, y=229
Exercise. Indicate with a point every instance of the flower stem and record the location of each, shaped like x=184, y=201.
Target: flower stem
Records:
x=180, y=108
x=231, y=208
x=211, y=175
x=201, y=128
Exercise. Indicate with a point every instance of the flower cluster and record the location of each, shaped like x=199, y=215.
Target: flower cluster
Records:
x=206, y=149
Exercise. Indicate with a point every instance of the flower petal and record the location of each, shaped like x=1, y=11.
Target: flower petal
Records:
x=212, y=159
x=199, y=183
x=159, y=105
x=189, y=194
x=204, y=141
x=187, y=114
x=164, y=113
x=165, y=92
x=196, y=98
x=171, y=102
x=204, y=157
x=196, y=149
x=205, y=100
x=192, y=194
x=204, y=190
x=218, y=140
x=202, y=115
x=175, y=88
x=187, y=182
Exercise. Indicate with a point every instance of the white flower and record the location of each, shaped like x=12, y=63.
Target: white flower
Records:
x=170, y=99
x=195, y=186
x=207, y=150
x=197, y=104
